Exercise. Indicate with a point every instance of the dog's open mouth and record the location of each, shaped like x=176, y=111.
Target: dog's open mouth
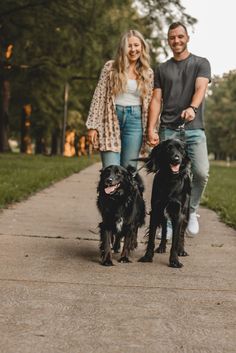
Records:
x=175, y=168
x=111, y=189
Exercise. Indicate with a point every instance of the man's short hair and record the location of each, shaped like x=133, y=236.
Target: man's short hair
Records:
x=177, y=24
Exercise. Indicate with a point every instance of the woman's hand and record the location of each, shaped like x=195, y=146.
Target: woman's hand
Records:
x=92, y=136
x=152, y=138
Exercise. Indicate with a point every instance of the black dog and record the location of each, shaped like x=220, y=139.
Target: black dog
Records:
x=121, y=204
x=170, y=197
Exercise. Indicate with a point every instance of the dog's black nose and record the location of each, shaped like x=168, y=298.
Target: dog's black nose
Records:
x=176, y=158
x=109, y=180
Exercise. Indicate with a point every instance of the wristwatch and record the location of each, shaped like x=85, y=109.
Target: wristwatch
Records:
x=193, y=108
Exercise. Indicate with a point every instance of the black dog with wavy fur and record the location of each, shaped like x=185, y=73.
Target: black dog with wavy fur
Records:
x=122, y=207
x=170, y=198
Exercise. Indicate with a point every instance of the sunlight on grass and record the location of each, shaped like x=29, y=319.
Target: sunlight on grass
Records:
x=220, y=194
x=22, y=175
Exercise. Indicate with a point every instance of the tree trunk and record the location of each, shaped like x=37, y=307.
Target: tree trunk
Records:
x=4, y=120
x=40, y=147
x=55, y=142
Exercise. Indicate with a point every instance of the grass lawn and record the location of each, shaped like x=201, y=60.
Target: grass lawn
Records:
x=22, y=175
x=220, y=194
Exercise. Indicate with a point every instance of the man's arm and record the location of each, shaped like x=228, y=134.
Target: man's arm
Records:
x=200, y=90
x=153, y=117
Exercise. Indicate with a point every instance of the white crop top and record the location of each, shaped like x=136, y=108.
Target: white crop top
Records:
x=131, y=96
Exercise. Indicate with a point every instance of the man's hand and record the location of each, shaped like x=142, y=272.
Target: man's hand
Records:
x=152, y=138
x=188, y=114
x=92, y=136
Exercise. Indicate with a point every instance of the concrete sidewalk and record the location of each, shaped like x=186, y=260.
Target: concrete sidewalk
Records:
x=56, y=297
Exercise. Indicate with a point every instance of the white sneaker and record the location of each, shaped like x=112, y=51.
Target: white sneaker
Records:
x=168, y=232
x=193, y=225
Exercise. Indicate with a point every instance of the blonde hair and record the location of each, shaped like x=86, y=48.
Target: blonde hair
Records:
x=119, y=74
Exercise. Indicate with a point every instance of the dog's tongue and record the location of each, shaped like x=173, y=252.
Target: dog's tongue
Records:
x=175, y=168
x=110, y=189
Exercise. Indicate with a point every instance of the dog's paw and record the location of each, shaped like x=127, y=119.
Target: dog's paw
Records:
x=161, y=249
x=183, y=253
x=107, y=262
x=124, y=259
x=175, y=264
x=145, y=258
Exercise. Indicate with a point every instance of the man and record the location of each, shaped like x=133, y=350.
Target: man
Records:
x=178, y=102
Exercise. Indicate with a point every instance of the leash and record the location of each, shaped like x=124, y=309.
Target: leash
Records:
x=180, y=129
x=140, y=168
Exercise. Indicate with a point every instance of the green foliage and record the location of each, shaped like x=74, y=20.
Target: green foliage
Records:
x=58, y=41
x=22, y=175
x=221, y=116
x=157, y=16
x=220, y=194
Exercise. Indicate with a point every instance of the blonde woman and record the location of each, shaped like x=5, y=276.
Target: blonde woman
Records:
x=118, y=113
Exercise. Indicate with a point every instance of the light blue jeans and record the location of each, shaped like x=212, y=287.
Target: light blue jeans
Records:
x=130, y=121
x=197, y=151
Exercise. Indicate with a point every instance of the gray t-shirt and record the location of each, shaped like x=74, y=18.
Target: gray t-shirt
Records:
x=177, y=82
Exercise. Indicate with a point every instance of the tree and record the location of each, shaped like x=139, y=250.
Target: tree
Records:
x=56, y=40
x=221, y=116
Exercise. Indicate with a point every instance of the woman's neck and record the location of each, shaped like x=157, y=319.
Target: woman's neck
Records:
x=132, y=72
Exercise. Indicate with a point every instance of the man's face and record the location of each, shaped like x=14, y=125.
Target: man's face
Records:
x=178, y=39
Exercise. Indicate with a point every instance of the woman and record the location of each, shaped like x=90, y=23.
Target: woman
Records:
x=118, y=113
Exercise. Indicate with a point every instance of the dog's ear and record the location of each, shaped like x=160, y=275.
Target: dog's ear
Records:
x=99, y=185
x=131, y=169
x=131, y=173
x=186, y=159
x=135, y=178
x=154, y=159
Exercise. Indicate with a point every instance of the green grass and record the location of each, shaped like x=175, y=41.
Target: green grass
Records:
x=22, y=175
x=220, y=194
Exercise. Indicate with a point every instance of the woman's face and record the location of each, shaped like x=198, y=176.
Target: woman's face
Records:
x=134, y=49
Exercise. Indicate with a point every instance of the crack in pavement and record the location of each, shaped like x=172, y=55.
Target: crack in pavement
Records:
x=57, y=237
x=116, y=286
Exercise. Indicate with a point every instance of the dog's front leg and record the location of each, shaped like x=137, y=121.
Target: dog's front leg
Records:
x=116, y=244
x=162, y=246
x=174, y=260
x=126, y=249
x=151, y=240
x=181, y=250
x=105, y=246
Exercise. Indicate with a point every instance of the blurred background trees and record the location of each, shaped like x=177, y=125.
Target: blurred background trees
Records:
x=221, y=117
x=45, y=44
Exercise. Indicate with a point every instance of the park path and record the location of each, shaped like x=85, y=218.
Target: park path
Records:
x=55, y=297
